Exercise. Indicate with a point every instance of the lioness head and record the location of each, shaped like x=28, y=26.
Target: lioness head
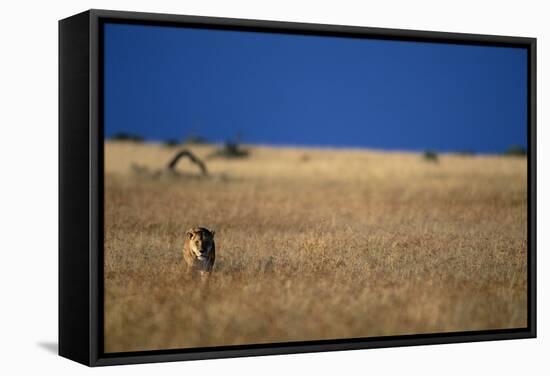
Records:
x=201, y=242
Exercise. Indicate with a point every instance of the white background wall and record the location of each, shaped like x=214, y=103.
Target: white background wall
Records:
x=28, y=189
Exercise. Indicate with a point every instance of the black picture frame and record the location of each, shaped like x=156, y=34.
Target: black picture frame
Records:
x=81, y=188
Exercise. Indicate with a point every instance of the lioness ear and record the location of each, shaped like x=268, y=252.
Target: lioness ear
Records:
x=189, y=234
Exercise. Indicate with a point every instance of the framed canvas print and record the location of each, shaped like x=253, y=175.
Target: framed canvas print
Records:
x=236, y=187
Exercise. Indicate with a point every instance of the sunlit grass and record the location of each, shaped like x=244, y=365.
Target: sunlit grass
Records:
x=313, y=244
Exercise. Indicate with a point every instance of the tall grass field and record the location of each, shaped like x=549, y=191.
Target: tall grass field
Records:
x=311, y=244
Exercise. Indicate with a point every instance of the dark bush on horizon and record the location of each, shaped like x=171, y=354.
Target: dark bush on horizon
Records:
x=516, y=151
x=230, y=150
x=171, y=143
x=430, y=156
x=124, y=136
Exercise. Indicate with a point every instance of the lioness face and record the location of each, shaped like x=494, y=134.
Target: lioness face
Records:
x=200, y=242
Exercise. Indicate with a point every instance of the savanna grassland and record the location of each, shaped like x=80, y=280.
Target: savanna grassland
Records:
x=313, y=244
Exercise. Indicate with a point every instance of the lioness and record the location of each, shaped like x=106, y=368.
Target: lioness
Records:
x=199, y=250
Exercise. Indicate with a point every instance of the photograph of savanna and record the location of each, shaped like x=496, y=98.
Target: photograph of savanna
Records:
x=269, y=187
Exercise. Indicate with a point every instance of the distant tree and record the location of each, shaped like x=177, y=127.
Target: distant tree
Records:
x=430, y=156
x=124, y=136
x=515, y=151
x=171, y=143
x=230, y=150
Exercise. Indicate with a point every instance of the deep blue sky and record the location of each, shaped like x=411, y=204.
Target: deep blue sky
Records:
x=168, y=83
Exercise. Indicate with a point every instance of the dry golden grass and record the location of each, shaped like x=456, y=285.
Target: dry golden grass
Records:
x=313, y=244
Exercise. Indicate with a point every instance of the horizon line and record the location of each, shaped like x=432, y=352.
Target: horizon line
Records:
x=316, y=146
